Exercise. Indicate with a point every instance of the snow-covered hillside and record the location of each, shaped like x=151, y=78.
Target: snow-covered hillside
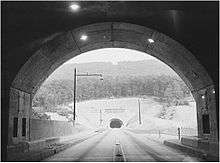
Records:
x=184, y=117
x=90, y=112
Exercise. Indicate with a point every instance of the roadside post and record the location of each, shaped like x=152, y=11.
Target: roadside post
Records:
x=74, y=90
x=178, y=131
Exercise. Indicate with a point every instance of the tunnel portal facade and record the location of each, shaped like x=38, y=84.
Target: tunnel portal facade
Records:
x=63, y=46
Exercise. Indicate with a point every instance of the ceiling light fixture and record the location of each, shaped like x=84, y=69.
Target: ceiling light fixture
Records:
x=150, y=40
x=75, y=7
x=83, y=37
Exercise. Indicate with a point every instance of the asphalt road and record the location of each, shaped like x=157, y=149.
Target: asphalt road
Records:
x=120, y=145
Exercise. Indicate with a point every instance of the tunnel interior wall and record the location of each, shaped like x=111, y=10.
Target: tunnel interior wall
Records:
x=19, y=116
x=206, y=108
x=23, y=128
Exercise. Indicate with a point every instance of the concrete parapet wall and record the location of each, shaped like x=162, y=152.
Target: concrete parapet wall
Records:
x=44, y=133
x=42, y=129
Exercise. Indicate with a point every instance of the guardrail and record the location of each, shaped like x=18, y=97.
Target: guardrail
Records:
x=179, y=132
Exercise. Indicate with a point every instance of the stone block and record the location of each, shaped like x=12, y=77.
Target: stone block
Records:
x=190, y=141
x=214, y=148
x=96, y=36
x=96, y=46
x=33, y=70
x=132, y=27
x=40, y=144
x=122, y=44
x=53, y=140
x=21, y=147
x=14, y=102
x=59, y=47
x=130, y=37
x=35, y=145
x=203, y=144
x=93, y=27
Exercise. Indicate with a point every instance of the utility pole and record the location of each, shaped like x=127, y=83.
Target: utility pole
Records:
x=74, y=98
x=74, y=91
x=178, y=132
x=139, y=111
x=100, y=117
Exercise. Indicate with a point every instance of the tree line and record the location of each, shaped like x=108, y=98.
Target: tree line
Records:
x=60, y=92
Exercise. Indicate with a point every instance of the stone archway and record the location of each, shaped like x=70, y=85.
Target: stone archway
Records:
x=61, y=47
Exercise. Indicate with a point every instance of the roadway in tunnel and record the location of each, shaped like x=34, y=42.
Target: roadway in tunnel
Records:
x=115, y=145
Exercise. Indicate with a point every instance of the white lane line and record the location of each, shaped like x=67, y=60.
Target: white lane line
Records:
x=118, y=155
x=123, y=154
x=114, y=152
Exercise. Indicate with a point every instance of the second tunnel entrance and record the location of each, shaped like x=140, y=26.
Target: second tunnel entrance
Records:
x=116, y=123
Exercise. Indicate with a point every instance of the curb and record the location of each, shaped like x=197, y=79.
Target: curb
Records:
x=46, y=152
x=192, y=151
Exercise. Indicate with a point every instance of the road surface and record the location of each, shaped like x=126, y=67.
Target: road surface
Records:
x=120, y=145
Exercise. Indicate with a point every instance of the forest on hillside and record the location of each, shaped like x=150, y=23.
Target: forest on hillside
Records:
x=169, y=89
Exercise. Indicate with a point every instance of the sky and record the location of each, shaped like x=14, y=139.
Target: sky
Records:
x=113, y=55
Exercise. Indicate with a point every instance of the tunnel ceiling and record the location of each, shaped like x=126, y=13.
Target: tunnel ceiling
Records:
x=193, y=24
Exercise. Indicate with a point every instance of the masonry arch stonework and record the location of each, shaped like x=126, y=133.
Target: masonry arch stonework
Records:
x=60, y=47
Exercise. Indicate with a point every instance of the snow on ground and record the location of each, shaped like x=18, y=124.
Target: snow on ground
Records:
x=186, y=116
x=55, y=116
x=88, y=114
x=85, y=121
x=91, y=109
x=151, y=123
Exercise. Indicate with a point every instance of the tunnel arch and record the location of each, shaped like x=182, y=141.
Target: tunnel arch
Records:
x=60, y=47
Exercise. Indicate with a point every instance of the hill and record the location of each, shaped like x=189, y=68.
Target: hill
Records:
x=136, y=68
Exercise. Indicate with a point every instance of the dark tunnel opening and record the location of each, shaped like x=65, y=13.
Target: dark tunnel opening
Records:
x=116, y=123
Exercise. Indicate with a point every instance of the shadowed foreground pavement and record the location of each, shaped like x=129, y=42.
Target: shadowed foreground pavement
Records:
x=120, y=145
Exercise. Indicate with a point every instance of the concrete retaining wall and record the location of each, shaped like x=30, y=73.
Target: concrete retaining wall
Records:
x=20, y=104
x=41, y=129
